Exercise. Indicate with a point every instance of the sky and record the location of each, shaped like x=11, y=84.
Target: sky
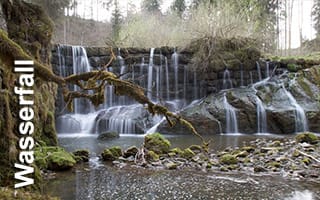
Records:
x=308, y=32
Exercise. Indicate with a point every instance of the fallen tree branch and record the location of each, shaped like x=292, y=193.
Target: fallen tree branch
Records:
x=10, y=51
x=309, y=156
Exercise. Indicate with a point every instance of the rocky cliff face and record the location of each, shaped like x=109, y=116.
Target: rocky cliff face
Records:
x=289, y=101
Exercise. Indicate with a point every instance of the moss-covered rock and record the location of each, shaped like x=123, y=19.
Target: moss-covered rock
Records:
x=60, y=160
x=196, y=148
x=274, y=164
x=157, y=143
x=248, y=149
x=111, y=153
x=108, y=135
x=131, y=151
x=176, y=150
x=171, y=165
x=53, y=158
x=307, y=137
x=81, y=155
x=9, y=194
x=152, y=156
x=306, y=160
x=228, y=159
x=188, y=153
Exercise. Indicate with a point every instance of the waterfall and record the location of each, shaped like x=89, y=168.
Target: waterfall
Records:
x=267, y=69
x=301, y=122
x=167, y=79
x=195, y=86
x=150, y=70
x=175, y=61
x=241, y=75
x=120, y=113
x=227, y=82
x=82, y=120
x=259, y=70
x=261, y=116
x=251, y=77
x=231, y=117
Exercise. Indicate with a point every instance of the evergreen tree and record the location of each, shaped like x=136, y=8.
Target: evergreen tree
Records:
x=151, y=6
x=316, y=16
x=116, y=20
x=55, y=9
x=178, y=6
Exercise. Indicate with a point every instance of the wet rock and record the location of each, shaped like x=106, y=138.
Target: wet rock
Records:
x=228, y=159
x=81, y=155
x=111, y=154
x=188, y=153
x=60, y=160
x=131, y=151
x=248, y=149
x=108, y=135
x=307, y=137
x=176, y=150
x=196, y=148
x=157, y=143
x=171, y=165
x=259, y=169
x=152, y=156
x=53, y=158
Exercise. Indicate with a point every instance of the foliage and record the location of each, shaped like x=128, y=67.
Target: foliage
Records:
x=316, y=16
x=178, y=7
x=116, y=21
x=151, y=6
x=231, y=18
x=55, y=9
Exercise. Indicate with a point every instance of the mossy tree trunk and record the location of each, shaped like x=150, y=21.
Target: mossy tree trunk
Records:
x=28, y=37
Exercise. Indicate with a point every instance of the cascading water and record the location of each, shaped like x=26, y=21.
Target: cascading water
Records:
x=301, y=122
x=267, y=69
x=261, y=111
x=227, y=82
x=231, y=117
x=175, y=60
x=150, y=73
x=241, y=75
x=259, y=70
x=261, y=116
x=120, y=113
x=167, y=79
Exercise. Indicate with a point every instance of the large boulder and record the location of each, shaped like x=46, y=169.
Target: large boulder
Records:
x=54, y=158
x=157, y=143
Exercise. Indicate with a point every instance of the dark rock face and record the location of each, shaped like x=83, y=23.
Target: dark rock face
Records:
x=209, y=114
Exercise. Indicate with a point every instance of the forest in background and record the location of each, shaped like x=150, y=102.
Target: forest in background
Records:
x=184, y=21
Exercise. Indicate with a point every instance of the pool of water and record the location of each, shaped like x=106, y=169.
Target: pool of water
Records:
x=97, y=180
x=72, y=142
